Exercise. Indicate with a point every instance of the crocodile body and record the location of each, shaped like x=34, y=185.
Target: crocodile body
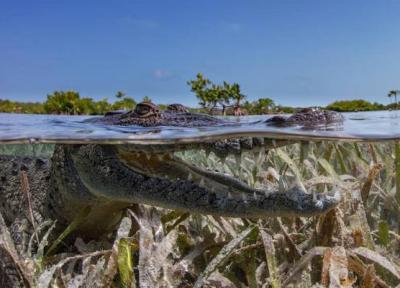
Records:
x=109, y=178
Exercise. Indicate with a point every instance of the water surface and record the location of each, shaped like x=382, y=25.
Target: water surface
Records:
x=25, y=128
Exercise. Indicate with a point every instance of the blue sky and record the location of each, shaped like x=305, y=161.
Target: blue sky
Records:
x=295, y=52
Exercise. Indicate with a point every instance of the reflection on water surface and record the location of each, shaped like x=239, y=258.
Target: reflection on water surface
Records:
x=372, y=126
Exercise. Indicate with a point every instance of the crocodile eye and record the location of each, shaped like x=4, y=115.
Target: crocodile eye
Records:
x=177, y=108
x=142, y=110
x=146, y=109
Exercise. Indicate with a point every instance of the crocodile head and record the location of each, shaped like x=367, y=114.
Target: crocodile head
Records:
x=110, y=177
x=308, y=117
x=147, y=114
x=126, y=174
x=177, y=107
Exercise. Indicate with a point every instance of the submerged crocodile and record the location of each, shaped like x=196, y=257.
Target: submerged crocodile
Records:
x=106, y=179
x=109, y=178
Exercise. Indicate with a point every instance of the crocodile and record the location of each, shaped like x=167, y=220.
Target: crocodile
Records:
x=106, y=179
x=308, y=117
x=109, y=178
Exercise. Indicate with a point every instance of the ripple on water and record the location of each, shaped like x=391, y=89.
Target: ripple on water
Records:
x=359, y=126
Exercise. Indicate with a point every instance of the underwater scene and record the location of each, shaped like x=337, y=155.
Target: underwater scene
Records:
x=240, y=203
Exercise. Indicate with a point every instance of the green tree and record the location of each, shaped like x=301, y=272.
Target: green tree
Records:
x=260, y=106
x=263, y=105
x=120, y=94
x=354, y=105
x=146, y=99
x=223, y=95
x=126, y=103
x=248, y=106
x=394, y=93
x=70, y=103
x=201, y=87
x=236, y=95
x=8, y=106
x=102, y=106
x=85, y=106
x=210, y=94
x=162, y=106
x=217, y=95
x=284, y=109
x=62, y=102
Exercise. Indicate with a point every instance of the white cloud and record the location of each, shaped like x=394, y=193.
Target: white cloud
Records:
x=161, y=74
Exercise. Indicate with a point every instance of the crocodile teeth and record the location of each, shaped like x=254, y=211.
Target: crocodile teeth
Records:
x=148, y=156
x=201, y=183
x=190, y=177
x=282, y=186
x=314, y=196
x=238, y=159
x=255, y=196
x=160, y=157
x=244, y=197
x=207, y=153
x=230, y=195
x=318, y=203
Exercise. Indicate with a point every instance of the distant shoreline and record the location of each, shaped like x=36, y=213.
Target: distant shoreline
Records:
x=87, y=106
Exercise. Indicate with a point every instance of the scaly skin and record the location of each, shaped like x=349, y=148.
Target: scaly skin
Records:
x=308, y=117
x=178, y=115
x=147, y=114
x=110, y=178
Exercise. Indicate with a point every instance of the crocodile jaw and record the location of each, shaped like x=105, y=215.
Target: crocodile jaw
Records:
x=123, y=177
x=294, y=202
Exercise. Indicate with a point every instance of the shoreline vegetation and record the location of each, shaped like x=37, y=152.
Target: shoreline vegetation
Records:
x=88, y=106
x=215, y=99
